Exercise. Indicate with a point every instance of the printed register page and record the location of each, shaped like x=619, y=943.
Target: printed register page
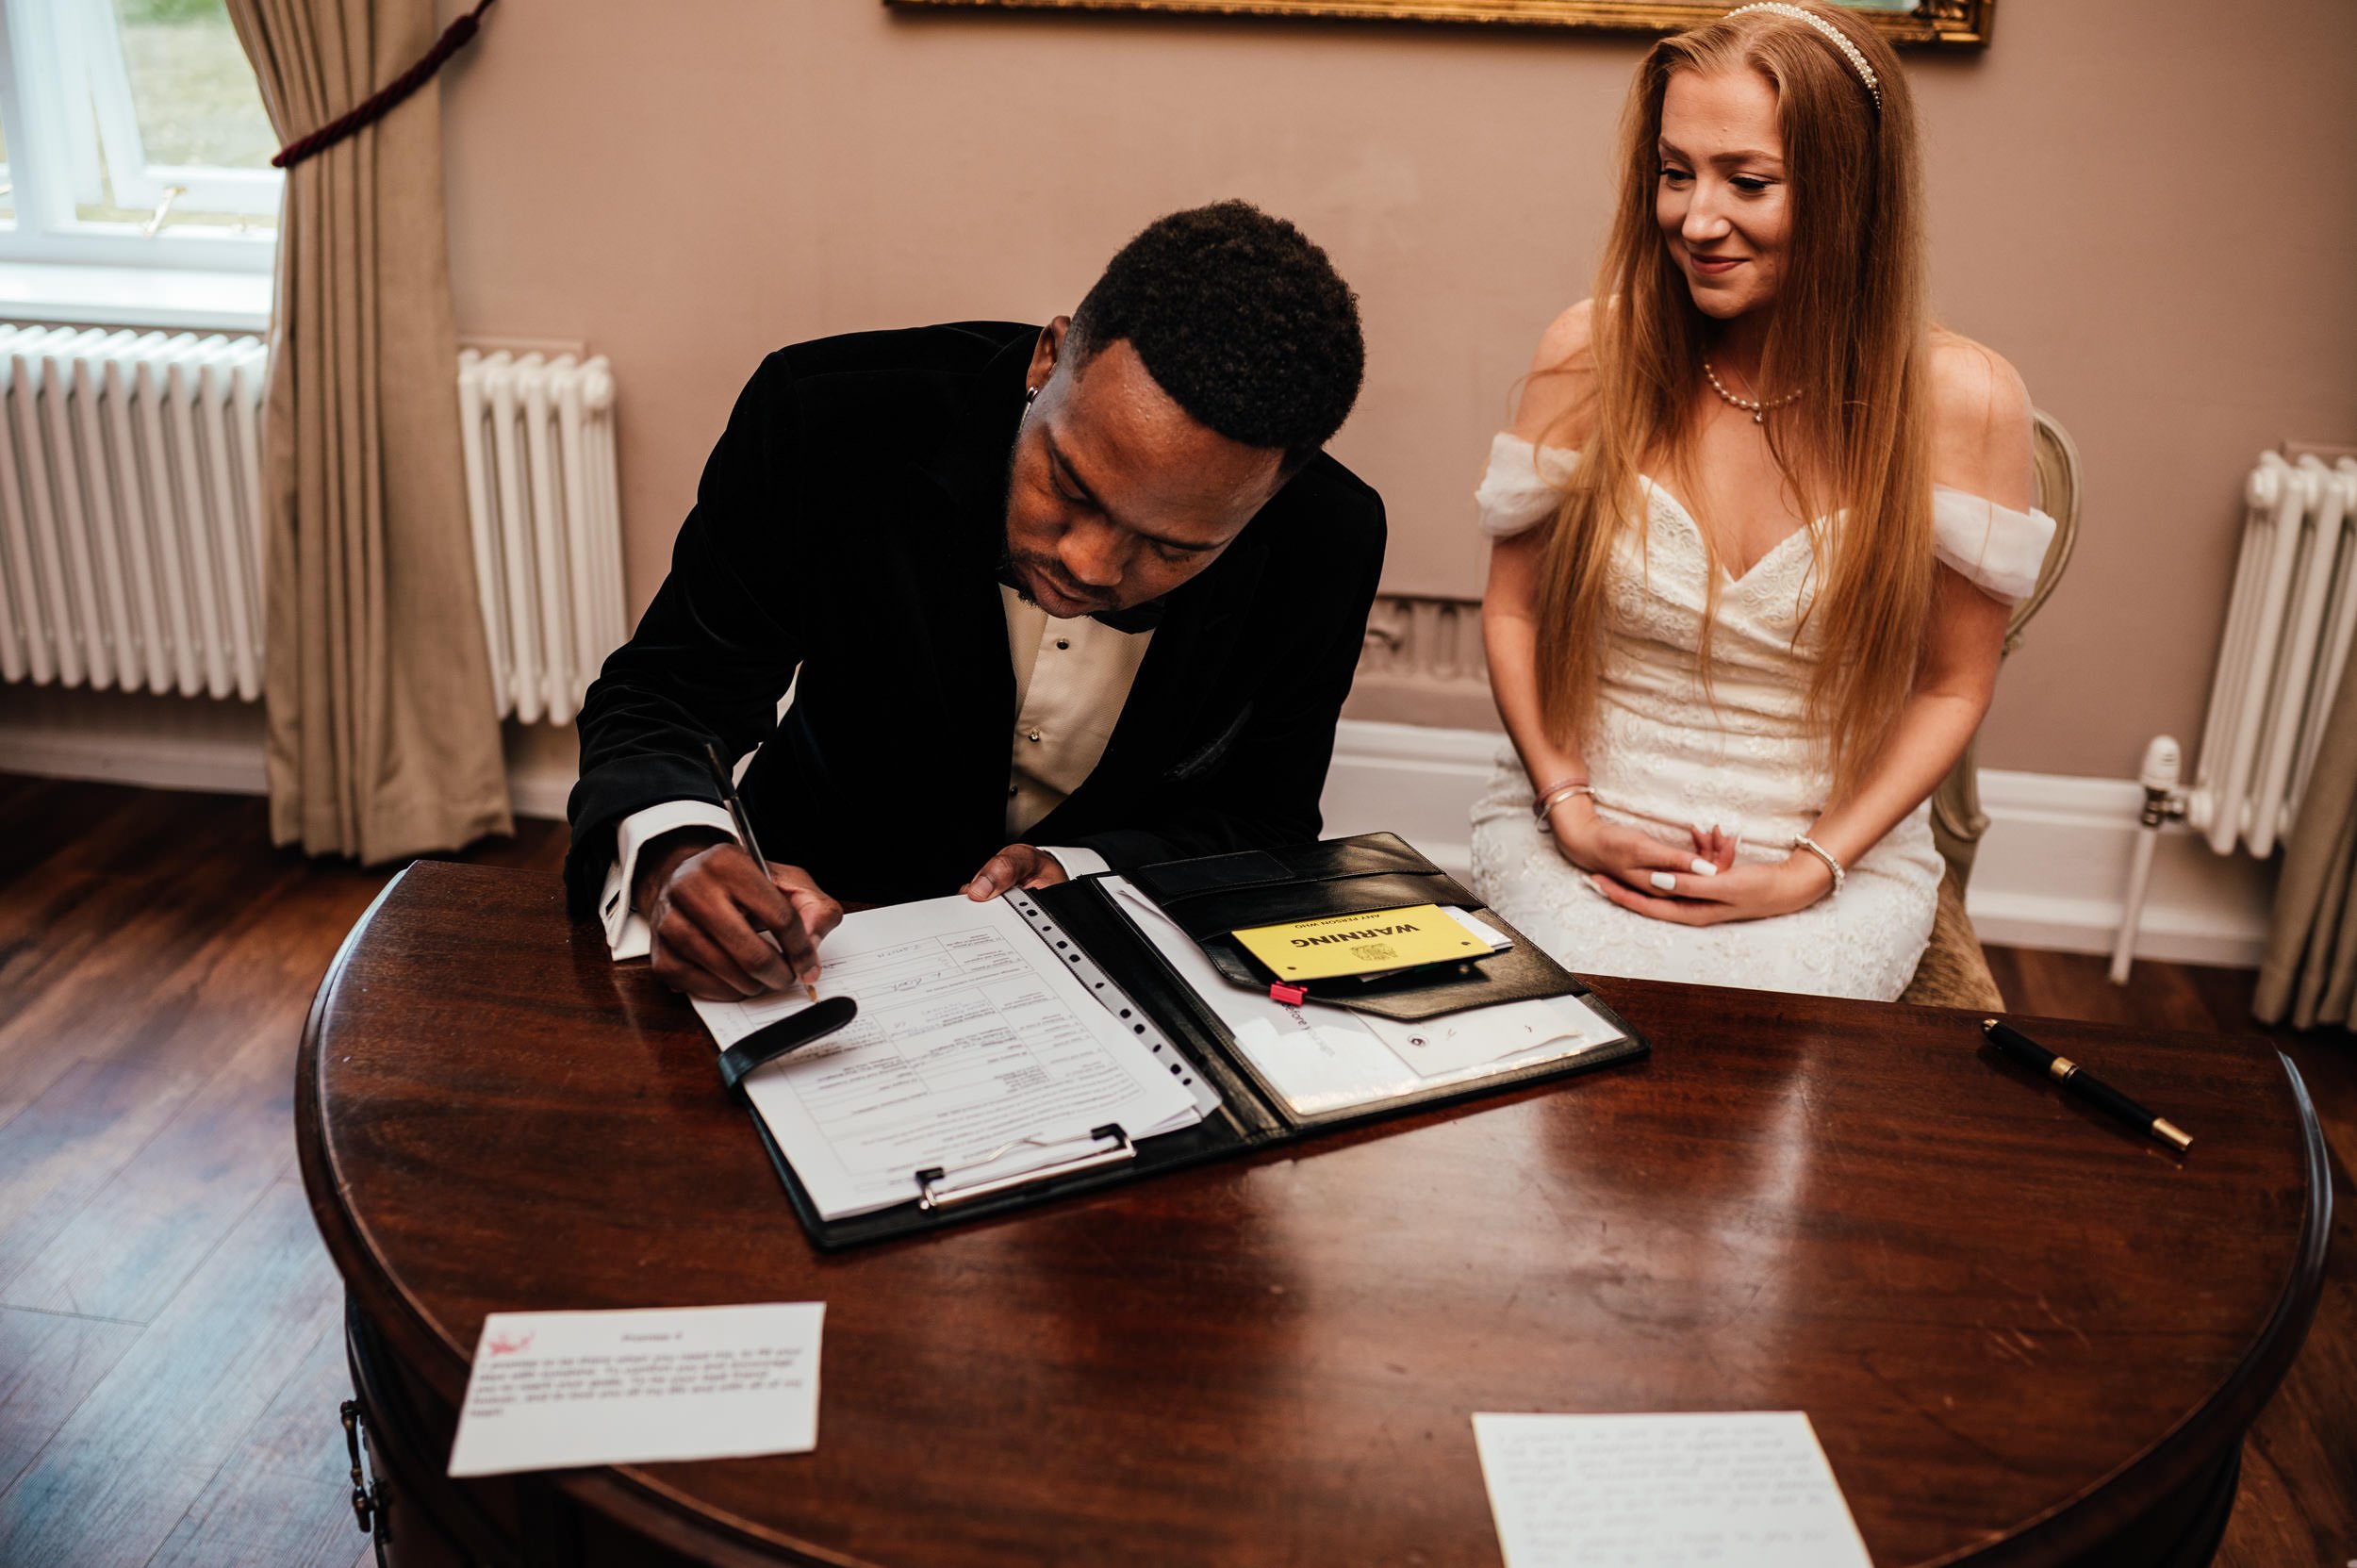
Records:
x=975, y=1051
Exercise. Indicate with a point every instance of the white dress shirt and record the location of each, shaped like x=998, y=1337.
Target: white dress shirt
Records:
x=1071, y=681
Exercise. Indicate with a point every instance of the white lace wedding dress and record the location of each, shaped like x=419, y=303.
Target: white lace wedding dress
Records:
x=1662, y=756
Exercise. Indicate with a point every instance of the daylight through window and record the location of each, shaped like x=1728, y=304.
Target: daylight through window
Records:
x=134, y=133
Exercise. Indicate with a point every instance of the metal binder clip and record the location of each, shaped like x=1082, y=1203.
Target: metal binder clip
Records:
x=929, y=1188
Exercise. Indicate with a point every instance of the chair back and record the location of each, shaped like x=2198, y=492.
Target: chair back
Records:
x=1957, y=820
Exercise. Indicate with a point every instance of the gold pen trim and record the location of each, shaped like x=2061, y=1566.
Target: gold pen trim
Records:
x=2170, y=1133
x=2063, y=1067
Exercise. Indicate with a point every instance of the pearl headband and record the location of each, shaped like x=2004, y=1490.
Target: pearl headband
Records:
x=1835, y=35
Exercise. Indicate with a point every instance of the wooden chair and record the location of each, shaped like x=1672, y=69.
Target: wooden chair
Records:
x=1954, y=971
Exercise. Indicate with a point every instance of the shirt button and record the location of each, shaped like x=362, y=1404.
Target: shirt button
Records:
x=1061, y=645
x=1035, y=734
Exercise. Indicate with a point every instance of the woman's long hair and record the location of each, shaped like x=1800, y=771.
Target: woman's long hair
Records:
x=1848, y=330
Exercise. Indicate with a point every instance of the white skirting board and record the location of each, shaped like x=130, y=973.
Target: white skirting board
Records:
x=133, y=737
x=2050, y=873
x=2053, y=867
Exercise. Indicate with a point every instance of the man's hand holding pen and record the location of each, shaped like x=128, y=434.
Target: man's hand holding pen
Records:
x=707, y=905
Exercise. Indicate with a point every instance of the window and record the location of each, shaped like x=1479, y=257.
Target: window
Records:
x=133, y=135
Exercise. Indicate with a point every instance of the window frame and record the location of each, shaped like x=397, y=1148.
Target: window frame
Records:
x=53, y=169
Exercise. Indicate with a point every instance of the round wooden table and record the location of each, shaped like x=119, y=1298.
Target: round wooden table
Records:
x=2024, y=1336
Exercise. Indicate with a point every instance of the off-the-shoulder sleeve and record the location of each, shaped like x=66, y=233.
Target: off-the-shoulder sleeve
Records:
x=1522, y=485
x=1998, y=550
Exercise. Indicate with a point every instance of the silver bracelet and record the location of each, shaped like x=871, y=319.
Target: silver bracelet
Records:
x=1556, y=797
x=1802, y=841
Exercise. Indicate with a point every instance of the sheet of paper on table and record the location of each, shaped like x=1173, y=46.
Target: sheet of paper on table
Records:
x=1320, y=1058
x=975, y=1051
x=1665, y=1491
x=554, y=1390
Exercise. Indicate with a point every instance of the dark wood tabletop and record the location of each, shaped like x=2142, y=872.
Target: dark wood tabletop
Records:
x=2017, y=1328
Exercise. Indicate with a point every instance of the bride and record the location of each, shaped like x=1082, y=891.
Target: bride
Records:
x=1758, y=526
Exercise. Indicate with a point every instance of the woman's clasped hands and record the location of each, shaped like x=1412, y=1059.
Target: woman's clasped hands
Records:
x=1691, y=885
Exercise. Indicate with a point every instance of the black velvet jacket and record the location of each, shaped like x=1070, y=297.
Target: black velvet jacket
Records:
x=850, y=523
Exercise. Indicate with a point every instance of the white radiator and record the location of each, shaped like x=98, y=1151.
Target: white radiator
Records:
x=130, y=515
x=548, y=537
x=2288, y=633
x=129, y=472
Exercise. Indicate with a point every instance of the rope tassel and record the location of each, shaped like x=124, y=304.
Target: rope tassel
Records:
x=385, y=99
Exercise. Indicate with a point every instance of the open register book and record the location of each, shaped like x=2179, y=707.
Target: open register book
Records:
x=967, y=1058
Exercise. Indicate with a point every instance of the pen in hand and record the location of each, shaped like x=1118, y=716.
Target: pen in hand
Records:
x=2081, y=1082
x=744, y=821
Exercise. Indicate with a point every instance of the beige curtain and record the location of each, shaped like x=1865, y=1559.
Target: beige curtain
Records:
x=383, y=741
x=2309, y=973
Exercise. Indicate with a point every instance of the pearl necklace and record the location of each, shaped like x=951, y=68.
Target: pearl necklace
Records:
x=1757, y=409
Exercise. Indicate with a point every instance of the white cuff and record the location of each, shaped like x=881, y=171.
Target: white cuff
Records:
x=1076, y=862
x=626, y=931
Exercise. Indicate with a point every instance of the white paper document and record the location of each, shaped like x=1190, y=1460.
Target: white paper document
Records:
x=554, y=1390
x=1717, y=1490
x=975, y=1052
x=1319, y=1057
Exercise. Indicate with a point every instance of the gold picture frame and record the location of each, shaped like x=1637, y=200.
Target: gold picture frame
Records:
x=1938, y=23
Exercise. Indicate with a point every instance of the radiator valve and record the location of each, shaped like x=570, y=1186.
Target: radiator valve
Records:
x=2164, y=766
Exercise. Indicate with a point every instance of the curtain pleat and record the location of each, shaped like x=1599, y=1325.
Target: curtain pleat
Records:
x=383, y=738
x=2310, y=972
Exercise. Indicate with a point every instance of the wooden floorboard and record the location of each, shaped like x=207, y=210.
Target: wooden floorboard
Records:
x=169, y=1342
x=170, y=1352
x=58, y=1152
x=131, y=867
x=283, y=1496
x=126, y=1251
x=48, y=1364
x=145, y=1444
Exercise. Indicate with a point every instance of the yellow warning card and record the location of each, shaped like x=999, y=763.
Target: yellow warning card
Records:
x=1361, y=944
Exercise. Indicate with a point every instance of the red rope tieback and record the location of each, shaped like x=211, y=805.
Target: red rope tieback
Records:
x=381, y=103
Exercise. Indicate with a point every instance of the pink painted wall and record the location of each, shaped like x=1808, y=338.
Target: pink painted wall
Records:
x=2149, y=207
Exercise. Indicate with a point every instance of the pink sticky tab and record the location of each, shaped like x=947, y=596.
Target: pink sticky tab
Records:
x=1292, y=996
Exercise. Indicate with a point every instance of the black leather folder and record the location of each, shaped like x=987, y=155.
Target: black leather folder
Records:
x=1208, y=898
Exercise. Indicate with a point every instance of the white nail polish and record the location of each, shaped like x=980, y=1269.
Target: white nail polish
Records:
x=1704, y=869
x=1665, y=881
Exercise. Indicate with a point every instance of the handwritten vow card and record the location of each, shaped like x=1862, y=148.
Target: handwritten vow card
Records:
x=552, y=1390
x=1746, y=1488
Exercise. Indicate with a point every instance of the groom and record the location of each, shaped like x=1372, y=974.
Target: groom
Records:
x=1049, y=600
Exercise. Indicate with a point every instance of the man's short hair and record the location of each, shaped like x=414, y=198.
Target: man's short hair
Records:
x=1240, y=319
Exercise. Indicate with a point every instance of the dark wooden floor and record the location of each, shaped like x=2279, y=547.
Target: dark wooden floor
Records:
x=169, y=1359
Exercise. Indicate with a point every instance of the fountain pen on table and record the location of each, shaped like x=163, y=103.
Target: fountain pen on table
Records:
x=737, y=815
x=2081, y=1082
